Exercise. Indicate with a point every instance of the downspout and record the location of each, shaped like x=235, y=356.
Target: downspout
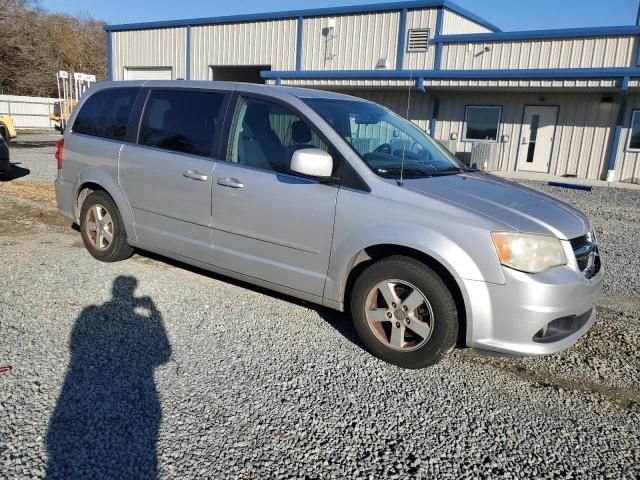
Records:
x=615, y=144
x=437, y=65
x=188, y=54
x=109, y=56
x=436, y=106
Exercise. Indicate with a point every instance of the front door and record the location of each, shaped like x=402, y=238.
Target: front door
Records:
x=167, y=177
x=536, y=142
x=270, y=223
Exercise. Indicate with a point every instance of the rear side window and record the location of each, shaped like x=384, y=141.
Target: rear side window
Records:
x=181, y=121
x=106, y=113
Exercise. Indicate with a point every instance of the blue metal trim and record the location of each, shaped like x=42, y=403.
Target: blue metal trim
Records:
x=109, y=57
x=433, y=124
x=540, y=34
x=439, y=21
x=622, y=112
x=318, y=12
x=299, y=44
x=420, y=84
x=188, y=56
x=402, y=39
x=617, y=72
x=638, y=17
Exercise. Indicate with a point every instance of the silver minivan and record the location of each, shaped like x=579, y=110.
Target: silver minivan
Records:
x=334, y=200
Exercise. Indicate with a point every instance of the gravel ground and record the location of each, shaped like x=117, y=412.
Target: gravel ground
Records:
x=147, y=368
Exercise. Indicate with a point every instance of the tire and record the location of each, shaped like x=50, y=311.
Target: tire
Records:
x=394, y=339
x=95, y=233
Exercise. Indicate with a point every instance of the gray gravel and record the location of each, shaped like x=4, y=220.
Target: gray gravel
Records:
x=182, y=374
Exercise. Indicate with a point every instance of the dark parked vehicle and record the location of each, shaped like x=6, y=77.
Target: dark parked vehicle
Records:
x=4, y=156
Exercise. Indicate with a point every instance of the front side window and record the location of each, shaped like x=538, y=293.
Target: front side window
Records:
x=482, y=124
x=386, y=142
x=265, y=135
x=634, y=134
x=106, y=113
x=184, y=121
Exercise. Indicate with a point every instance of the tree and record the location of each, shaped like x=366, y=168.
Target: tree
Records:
x=35, y=44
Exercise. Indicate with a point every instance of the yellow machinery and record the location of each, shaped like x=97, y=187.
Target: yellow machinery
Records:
x=7, y=130
x=71, y=86
x=62, y=111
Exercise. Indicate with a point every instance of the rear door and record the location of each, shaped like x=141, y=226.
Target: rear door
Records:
x=167, y=175
x=269, y=222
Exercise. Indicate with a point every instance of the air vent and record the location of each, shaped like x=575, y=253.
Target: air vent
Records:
x=418, y=40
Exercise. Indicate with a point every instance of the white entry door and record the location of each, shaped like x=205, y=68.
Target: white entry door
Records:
x=536, y=142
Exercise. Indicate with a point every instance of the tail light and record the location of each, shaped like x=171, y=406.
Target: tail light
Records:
x=59, y=151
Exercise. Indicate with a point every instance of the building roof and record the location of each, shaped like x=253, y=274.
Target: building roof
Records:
x=318, y=12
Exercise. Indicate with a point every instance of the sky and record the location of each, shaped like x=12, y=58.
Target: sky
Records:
x=509, y=15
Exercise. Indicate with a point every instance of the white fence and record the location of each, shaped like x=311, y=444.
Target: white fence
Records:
x=28, y=112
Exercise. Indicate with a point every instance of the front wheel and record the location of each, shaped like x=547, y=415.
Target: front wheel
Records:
x=404, y=313
x=102, y=229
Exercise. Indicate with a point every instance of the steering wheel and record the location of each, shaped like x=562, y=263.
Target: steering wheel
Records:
x=384, y=148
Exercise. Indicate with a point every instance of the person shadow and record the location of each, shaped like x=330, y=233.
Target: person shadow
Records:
x=106, y=421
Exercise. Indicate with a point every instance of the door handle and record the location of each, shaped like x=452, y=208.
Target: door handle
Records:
x=230, y=182
x=193, y=175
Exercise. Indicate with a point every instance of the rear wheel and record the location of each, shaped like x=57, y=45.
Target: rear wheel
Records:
x=102, y=229
x=404, y=313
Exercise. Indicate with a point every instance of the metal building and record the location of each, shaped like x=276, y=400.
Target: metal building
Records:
x=564, y=102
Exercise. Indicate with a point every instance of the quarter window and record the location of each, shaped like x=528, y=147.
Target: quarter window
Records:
x=106, y=113
x=182, y=121
x=266, y=135
x=482, y=124
x=634, y=133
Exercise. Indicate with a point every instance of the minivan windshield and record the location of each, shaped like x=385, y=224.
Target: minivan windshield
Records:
x=385, y=141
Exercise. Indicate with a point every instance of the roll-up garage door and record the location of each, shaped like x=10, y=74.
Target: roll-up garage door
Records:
x=152, y=73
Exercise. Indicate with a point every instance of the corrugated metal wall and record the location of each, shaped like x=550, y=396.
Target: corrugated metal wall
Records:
x=255, y=43
x=532, y=83
x=454, y=24
x=583, y=134
x=420, y=104
x=28, y=112
x=166, y=47
x=421, y=19
x=347, y=83
x=558, y=53
x=358, y=41
x=628, y=163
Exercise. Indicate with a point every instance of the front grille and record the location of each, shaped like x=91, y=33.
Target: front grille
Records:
x=585, y=249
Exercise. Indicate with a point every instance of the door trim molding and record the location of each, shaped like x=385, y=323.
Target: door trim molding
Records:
x=553, y=138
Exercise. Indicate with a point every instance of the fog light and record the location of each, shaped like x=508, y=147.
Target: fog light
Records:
x=561, y=328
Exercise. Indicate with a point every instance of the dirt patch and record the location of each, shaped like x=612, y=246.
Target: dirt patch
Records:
x=37, y=192
x=24, y=215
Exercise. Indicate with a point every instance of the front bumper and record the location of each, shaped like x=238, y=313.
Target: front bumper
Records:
x=506, y=318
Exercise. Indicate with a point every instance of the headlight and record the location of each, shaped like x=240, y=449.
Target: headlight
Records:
x=528, y=252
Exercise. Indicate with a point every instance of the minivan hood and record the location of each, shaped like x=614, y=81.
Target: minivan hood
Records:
x=519, y=207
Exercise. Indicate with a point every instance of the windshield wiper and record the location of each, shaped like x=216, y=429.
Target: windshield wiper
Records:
x=447, y=171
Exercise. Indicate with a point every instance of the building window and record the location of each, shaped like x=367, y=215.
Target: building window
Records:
x=634, y=133
x=482, y=124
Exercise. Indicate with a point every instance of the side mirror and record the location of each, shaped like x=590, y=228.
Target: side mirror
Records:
x=312, y=162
